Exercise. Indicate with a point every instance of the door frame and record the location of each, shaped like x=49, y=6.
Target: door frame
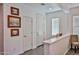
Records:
x=31, y=32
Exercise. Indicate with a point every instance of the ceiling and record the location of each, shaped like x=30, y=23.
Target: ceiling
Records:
x=52, y=7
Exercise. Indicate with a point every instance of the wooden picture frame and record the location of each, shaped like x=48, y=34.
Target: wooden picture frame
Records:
x=14, y=11
x=14, y=21
x=14, y=32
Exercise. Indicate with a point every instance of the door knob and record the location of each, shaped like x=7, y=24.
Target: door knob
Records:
x=25, y=36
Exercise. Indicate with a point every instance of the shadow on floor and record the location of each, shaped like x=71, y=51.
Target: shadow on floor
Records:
x=72, y=52
x=37, y=51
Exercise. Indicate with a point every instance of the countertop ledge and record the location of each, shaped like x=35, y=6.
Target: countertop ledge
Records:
x=54, y=40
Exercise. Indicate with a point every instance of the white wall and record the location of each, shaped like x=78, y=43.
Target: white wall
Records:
x=73, y=12
x=14, y=45
x=64, y=22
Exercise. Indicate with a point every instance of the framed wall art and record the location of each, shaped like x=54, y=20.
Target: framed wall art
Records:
x=14, y=11
x=14, y=32
x=14, y=21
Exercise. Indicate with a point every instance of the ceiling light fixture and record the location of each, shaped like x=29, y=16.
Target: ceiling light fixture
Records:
x=50, y=8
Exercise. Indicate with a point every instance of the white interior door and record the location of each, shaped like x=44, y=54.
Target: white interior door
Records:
x=27, y=32
x=40, y=29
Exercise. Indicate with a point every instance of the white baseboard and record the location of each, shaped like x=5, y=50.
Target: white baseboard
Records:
x=20, y=52
x=66, y=51
x=17, y=53
x=34, y=47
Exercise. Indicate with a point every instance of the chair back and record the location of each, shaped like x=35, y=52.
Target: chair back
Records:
x=74, y=38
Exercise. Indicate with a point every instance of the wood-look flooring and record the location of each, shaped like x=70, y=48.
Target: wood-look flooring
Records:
x=40, y=51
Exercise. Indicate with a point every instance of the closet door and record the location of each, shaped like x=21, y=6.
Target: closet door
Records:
x=40, y=29
x=27, y=33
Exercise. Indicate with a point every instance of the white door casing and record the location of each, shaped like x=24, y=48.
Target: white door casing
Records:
x=28, y=33
x=40, y=29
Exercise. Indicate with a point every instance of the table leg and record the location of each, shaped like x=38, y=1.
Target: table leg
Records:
x=71, y=46
x=75, y=49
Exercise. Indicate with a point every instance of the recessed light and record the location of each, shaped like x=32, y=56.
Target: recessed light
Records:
x=42, y=3
x=50, y=8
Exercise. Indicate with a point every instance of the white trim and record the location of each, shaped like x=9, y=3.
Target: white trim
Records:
x=34, y=47
x=66, y=51
x=19, y=53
